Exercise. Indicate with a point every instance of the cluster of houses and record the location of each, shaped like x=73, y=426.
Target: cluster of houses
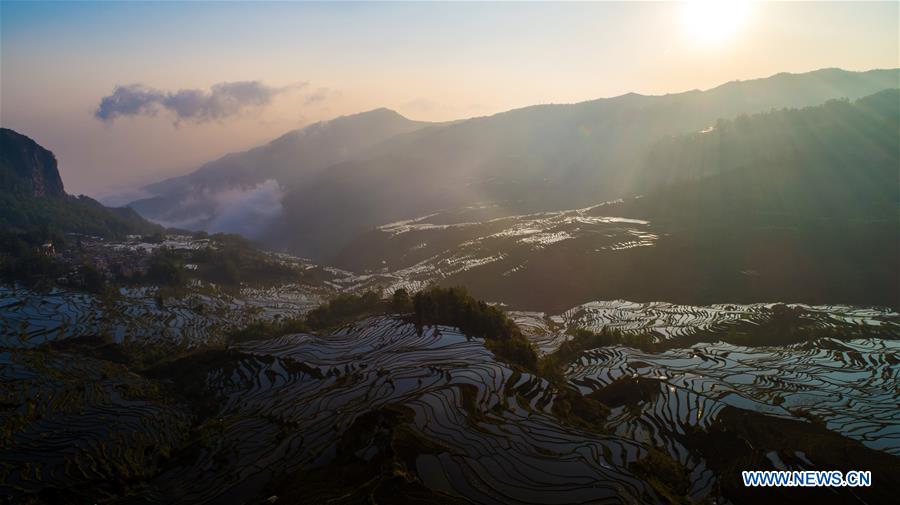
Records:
x=116, y=260
x=124, y=263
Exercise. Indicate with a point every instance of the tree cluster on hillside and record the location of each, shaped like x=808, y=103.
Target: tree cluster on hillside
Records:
x=22, y=261
x=837, y=160
x=70, y=214
x=433, y=306
x=234, y=260
x=345, y=308
x=166, y=268
x=455, y=307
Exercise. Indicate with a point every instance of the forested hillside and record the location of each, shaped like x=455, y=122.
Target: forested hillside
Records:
x=32, y=197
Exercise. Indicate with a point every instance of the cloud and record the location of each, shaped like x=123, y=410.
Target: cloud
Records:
x=220, y=101
x=248, y=210
x=130, y=100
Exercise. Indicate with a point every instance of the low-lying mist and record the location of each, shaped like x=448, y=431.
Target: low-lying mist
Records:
x=243, y=210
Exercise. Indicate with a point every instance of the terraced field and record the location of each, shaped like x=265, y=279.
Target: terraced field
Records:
x=29, y=318
x=382, y=408
x=70, y=422
x=551, y=261
x=664, y=321
x=477, y=414
x=445, y=246
x=851, y=387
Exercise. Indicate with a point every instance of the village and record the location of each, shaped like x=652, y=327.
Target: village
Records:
x=128, y=261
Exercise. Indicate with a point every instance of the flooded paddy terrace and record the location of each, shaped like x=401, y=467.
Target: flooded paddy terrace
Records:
x=200, y=314
x=267, y=418
x=282, y=409
x=493, y=435
x=29, y=318
x=442, y=247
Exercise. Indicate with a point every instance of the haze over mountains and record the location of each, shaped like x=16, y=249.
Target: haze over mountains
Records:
x=313, y=190
x=797, y=205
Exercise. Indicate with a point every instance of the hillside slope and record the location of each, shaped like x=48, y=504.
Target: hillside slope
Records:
x=32, y=197
x=533, y=159
x=324, y=185
x=197, y=199
x=791, y=205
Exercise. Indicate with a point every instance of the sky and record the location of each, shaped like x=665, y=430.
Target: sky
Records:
x=128, y=93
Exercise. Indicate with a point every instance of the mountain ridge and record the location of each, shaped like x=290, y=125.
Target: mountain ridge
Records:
x=542, y=157
x=317, y=128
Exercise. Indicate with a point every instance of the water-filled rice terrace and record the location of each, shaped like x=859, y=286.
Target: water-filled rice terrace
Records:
x=70, y=421
x=384, y=410
x=663, y=321
x=30, y=318
x=444, y=246
x=478, y=416
x=551, y=261
x=670, y=320
x=851, y=386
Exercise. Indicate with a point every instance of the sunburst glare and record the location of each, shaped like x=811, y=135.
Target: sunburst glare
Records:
x=714, y=21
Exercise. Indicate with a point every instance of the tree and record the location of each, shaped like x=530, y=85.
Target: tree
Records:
x=164, y=269
x=92, y=279
x=401, y=301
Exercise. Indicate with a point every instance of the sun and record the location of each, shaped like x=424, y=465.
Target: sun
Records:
x=713, y=21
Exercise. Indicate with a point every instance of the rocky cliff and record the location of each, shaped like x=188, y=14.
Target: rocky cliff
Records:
x=26, y=168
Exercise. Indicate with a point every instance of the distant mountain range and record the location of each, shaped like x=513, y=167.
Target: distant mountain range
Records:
x=313, y=190
x=32, y=197
x=296, y=156
x=795, y=205
x=791, y=204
